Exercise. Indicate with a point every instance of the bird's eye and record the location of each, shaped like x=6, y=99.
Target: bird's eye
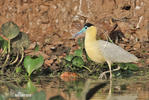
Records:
x=85, y=27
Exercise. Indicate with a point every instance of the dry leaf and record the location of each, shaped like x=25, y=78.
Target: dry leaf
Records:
x=48, y=62
x=69, y=76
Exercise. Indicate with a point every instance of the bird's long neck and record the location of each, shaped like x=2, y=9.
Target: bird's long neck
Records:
x=90, y=35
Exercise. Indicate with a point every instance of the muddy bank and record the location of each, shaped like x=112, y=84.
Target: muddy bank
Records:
x=59, y=19
x=51, y=23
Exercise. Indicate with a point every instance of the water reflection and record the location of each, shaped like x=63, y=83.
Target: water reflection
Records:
x=137, y=90
x=81, y=89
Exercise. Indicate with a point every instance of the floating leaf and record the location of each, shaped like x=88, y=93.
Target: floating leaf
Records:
x=78, y=61
x=10, y=30
x=31, y=64
x=78, y=53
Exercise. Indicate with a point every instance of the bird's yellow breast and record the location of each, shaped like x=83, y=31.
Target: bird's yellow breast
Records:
x=94, y=52
x=92, y=46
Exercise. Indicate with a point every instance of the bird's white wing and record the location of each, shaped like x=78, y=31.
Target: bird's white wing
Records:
x=114, y=53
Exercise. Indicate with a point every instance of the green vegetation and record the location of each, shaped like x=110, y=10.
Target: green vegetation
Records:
x=10, y=30
x=80, y=62
x=12, y=58
x=32, y=64
x=76, y=60
x=30, y=87
x=3, y=45
x=126, y=70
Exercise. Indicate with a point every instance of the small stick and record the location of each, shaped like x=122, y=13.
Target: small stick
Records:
x=140, y=19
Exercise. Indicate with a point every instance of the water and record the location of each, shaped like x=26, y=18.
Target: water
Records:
x=47, y=88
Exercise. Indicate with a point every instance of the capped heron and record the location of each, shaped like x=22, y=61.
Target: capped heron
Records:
x=101, y=51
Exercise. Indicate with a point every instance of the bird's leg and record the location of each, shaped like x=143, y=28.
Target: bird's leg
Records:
x=104, y=73
x=110, y=91
x=109, y=64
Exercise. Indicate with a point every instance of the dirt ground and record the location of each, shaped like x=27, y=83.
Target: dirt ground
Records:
x=51, y=23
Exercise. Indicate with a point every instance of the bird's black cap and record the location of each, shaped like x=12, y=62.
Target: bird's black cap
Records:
x=88, y=24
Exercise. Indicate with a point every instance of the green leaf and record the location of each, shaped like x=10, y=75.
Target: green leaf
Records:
x=1, y=38
x=30, y=87
x=68, y=64
x=37, y=47
x=18, y=69
x=123, y=66
x=32, y=64
x=80, y=42
x=88, y=58
x=3, y=44
x=128, y=66
x=78, y=61
x=132, y=67
x=38, y=96
x=69, y=57
x=10, y=30
x=78, y=53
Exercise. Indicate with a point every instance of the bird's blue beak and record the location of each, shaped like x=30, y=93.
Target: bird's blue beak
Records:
x=78, y=33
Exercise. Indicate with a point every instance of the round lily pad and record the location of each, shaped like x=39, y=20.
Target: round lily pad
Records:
x=10, y=30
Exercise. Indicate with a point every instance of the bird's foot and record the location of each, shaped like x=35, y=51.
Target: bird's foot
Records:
x=103, y=75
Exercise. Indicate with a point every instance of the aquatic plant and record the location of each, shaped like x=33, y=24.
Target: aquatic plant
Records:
x=32, y=64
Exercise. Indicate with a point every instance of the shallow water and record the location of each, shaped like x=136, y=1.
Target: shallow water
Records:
x=47, y=88
x=131, y=91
